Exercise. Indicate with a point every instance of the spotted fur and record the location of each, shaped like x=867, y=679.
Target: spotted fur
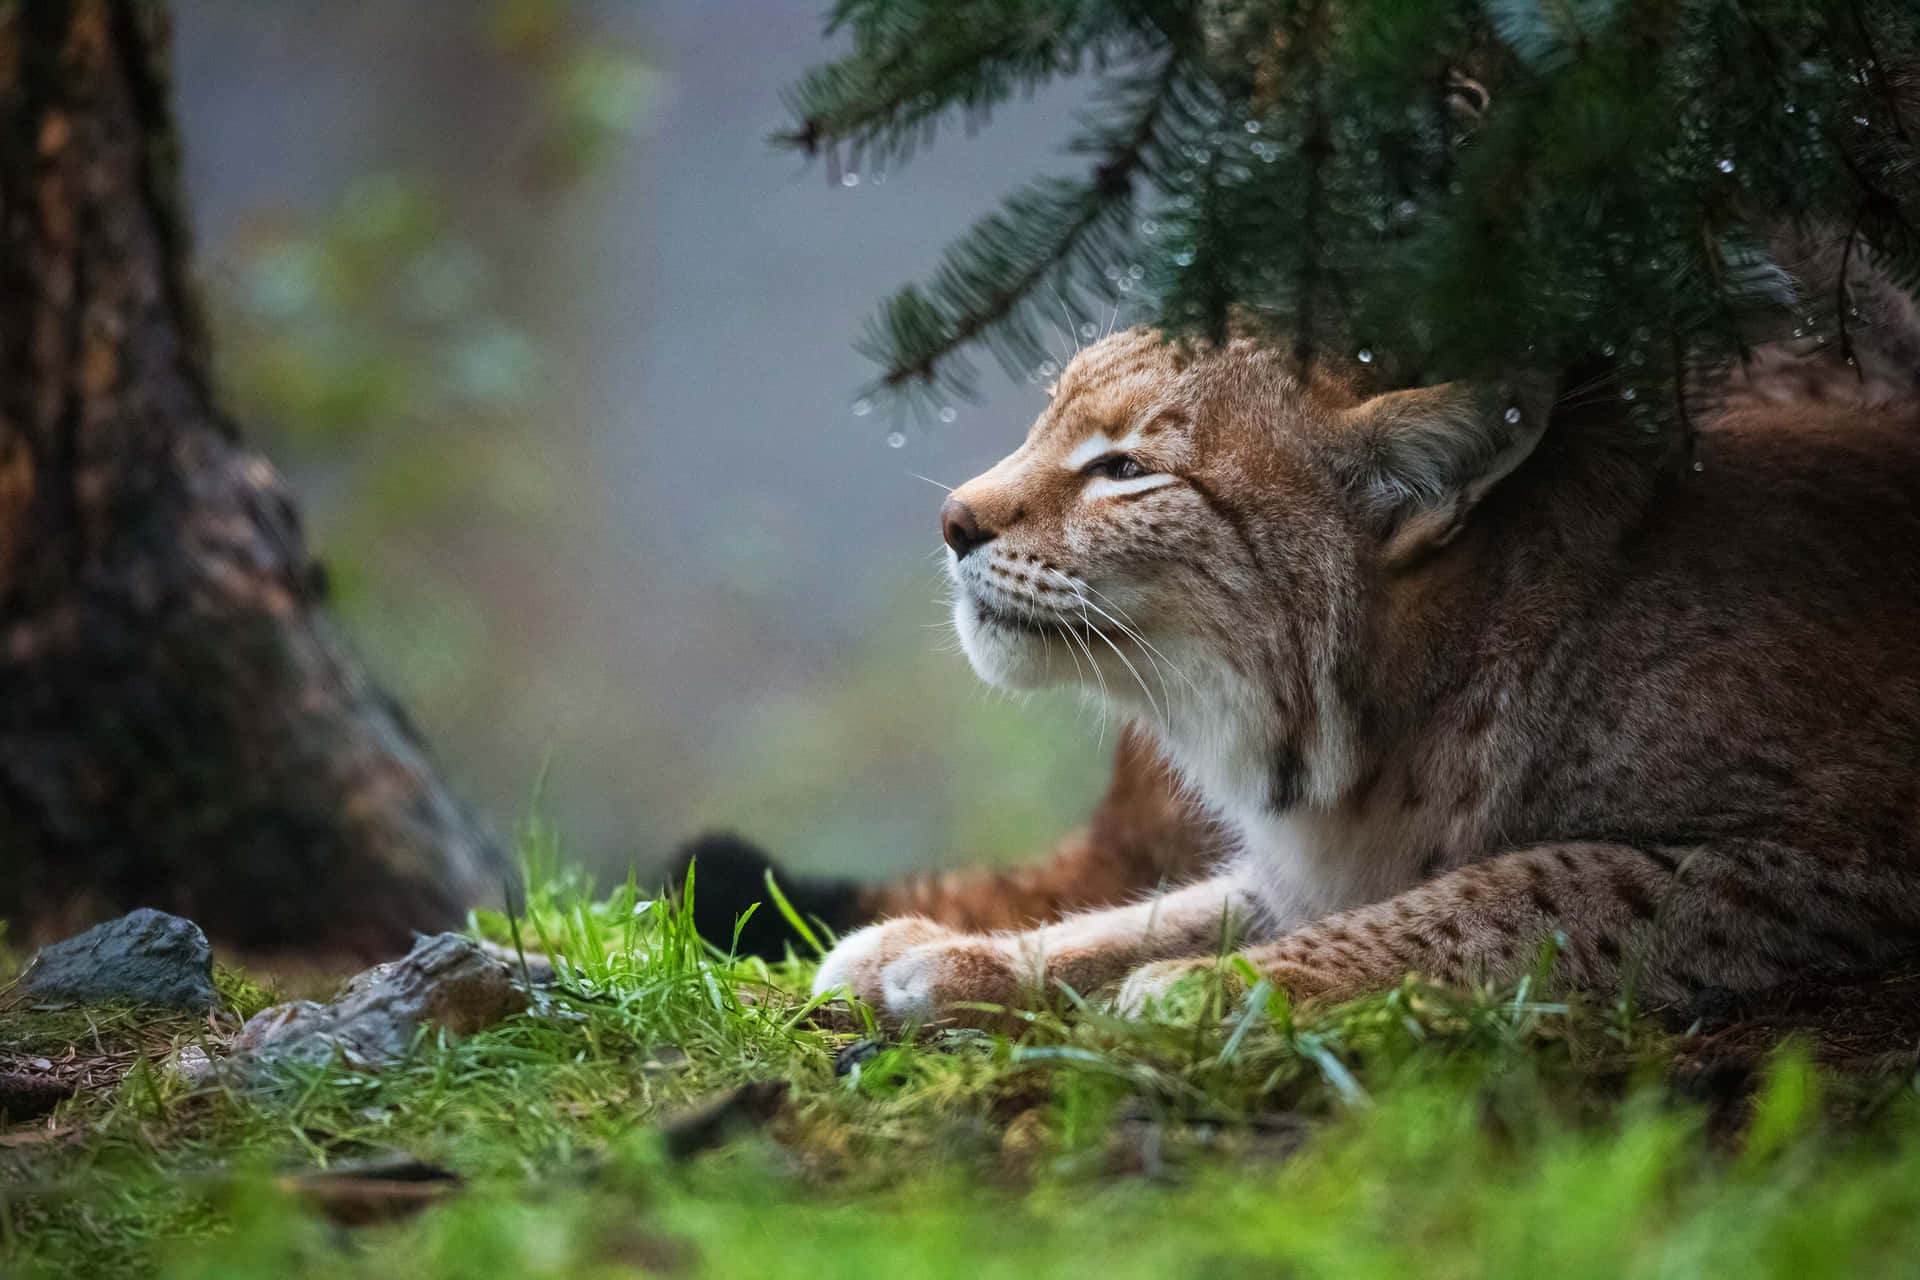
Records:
x=1453, y=671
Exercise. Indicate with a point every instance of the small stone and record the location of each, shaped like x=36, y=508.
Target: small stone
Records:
x=665, y=1060
x=387, y=1188
x=192, y=1065
x=721, y=1117
x=25, y=1097
x=146, y=957
x=447, y=980
x=856, y=1055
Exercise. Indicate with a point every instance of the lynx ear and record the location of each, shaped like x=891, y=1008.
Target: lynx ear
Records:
x=1417, y=462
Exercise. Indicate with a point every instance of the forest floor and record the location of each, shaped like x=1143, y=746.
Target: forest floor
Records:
x=669, y=1111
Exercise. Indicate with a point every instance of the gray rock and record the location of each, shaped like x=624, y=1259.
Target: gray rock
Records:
x=145, y=957
x=446, y=980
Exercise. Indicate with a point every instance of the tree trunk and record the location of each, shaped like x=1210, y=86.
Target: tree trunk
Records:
x=180, y=724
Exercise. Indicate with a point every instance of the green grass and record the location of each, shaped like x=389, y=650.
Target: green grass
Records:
x=1418, y=1131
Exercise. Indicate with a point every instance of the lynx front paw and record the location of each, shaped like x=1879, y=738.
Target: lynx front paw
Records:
x=915, y=970
x=857, y=961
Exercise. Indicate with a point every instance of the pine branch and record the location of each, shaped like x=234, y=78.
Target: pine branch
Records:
x=1608, y=204
x=917, y=62
x=1042, y=235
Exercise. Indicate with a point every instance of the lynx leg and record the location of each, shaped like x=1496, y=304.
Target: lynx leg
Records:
x=1667, y=920
x=912, y=968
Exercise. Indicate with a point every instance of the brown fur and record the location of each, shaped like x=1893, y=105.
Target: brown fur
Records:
x=1456, y=682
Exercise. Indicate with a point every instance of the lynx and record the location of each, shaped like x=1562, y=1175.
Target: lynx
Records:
x=1446, y=672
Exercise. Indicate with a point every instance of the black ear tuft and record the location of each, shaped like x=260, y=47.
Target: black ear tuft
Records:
x=730, y=875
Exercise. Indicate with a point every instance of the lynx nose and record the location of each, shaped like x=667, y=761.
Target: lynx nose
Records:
x=961, y=527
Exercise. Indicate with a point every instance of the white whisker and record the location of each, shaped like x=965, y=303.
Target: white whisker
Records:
x=1094, y=662
x=1066, y=355
x=1127, y=626
x=1125, y=661
x=1077, y=672
x=1067, y=311
x=1145, y=651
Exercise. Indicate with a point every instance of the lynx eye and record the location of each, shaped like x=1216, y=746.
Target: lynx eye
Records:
x=1114, y=466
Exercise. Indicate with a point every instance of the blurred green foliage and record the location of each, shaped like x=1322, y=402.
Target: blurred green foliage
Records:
x=591, y=97
x=379, y=315
x=371, y=354
x=375, y=347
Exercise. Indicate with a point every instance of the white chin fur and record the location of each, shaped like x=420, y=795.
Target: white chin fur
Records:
x=1004, y=658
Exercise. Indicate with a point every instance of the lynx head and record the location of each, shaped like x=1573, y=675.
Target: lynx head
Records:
x=1192, y=536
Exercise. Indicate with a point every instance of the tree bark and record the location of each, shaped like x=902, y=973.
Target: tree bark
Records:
x=180, y=723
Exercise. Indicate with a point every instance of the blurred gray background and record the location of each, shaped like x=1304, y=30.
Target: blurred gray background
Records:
x=557, y=352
